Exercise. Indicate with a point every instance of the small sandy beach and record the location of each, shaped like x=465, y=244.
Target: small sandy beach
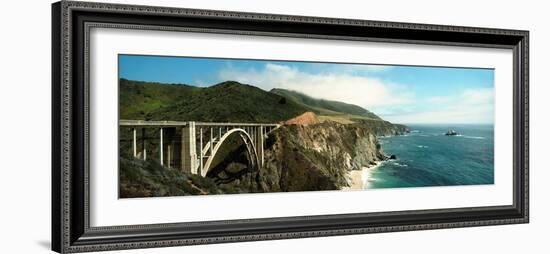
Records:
x=358, y=179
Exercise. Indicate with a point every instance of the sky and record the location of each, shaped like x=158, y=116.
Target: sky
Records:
x=400, y=94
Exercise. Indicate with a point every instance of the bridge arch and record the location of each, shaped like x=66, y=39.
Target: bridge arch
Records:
x=248, y=141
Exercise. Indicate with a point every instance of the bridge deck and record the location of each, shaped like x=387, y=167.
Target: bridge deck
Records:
x=142, y=123
x=199, y=137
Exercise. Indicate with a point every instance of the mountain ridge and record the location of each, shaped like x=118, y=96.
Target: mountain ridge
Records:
x=307, y=152
x=328, y=107
x=229, y=101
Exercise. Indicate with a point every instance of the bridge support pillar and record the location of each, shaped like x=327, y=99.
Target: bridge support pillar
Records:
x=143, y=144
x=161, y=146
x=261, y=144
x=172, y=143
x=189, y=148
x=134, y=142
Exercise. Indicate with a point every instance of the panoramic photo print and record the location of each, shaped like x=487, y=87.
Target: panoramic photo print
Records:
x=205, y=126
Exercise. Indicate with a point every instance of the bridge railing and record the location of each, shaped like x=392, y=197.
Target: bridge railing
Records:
x=143, y=123
x=190, y=145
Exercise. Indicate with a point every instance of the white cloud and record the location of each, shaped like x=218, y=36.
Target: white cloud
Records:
x=394, y=102
x=470, y=106
x=331, y=85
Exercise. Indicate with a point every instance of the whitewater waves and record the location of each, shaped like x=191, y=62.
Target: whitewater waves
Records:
x=472, y=137
x=399, y=164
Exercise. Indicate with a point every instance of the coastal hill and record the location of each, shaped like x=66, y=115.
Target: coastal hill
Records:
x=319, y=143
x=230, y=101
x=325, y=107
x=224, y=102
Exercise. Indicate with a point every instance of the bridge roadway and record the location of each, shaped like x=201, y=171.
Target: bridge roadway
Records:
x=191, y=146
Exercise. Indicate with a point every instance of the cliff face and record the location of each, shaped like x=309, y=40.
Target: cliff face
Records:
x=310, y=157
x=307, y=157
x=383, y=128
x=297, y=158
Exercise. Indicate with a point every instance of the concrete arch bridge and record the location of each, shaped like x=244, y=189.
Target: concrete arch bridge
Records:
x=192, y=146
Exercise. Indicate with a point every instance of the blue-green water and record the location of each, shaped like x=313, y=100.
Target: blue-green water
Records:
x=426, y=157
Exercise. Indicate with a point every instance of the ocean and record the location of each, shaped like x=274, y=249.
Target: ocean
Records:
x=427, y=157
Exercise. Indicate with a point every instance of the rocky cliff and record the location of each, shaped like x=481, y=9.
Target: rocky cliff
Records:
x=383, y=128
x=308, y=157
x=297, y=158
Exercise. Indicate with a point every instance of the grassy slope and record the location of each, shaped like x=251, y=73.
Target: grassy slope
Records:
x=326, y=107
x=138, y=99
x=225, y=102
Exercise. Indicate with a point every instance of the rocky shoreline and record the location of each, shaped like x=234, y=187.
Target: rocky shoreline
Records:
x=358, y=179
x=317, y=156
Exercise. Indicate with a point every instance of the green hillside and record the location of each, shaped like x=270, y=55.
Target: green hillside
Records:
x=228, y=101
x=325, y=107
x=138, y=99
x=291, y=164
x=225, y=102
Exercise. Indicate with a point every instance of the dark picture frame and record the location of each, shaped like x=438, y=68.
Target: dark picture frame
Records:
x=71, y=230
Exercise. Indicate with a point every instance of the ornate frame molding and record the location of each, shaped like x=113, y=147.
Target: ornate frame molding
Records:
x=71, y=22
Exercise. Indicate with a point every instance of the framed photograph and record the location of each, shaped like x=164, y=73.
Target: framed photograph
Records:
x=181, y=126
